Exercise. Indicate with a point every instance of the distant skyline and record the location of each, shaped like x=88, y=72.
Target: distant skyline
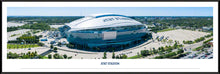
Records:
x=128, y=11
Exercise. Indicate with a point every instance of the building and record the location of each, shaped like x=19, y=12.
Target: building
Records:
x=103, y=30
x=207, y=28
x=43, y=39
x=210, y=43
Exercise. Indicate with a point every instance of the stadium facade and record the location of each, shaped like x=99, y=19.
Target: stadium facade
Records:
x=103, y=30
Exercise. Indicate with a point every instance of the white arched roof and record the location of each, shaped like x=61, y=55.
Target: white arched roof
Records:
x=101, y=21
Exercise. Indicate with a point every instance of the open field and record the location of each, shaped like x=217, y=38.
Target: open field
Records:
x=55, y=26
x=12, y=24
x=181, y=35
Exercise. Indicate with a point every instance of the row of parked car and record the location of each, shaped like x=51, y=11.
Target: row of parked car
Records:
x=206, y=55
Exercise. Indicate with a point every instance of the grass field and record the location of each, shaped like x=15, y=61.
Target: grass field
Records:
x=135, y=57
x=18, y=46
x=45, y=57
x=198, y=48
x=166, y=30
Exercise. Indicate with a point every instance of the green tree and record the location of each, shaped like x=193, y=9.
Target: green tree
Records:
x=180, y=51
x=65, y=56
x=113, y=55
x=56, y=56
x=40, y=44
x=55, y=49
x=35, y=53
x=70, y=57
x=40, y=57
x=51, y=46
x=145, y=52
x=138, y=54
x=124, y=56
x=154, y=51
x=175, y=45
x=104, y=57
x=117, y=57
x=50, y=56
x=59, y=44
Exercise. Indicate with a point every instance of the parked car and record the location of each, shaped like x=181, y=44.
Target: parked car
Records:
x=210, y=57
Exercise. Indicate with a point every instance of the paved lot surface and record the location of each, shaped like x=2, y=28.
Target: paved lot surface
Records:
x=13, y=24
x=20, y=32
x=181, y=34
x=56, y=26
x=25, y=50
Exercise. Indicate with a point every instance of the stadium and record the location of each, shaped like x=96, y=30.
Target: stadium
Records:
x=104, y=30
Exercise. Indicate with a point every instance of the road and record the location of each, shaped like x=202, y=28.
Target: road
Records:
x=43, y=54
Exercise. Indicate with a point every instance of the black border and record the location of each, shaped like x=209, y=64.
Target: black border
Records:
x=110, y=73
x=107, y=1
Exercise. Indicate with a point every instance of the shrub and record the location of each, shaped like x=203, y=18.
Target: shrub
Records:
x=50, y=56
x=65, y=56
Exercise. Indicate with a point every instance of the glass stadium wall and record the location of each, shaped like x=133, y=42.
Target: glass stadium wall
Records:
x=94, y=37
x=63, y=30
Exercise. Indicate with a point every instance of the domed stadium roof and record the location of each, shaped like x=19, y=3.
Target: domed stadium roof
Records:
x=101, y=21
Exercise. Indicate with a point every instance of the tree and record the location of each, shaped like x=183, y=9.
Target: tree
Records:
x=51, y=46
x=180, y=51
x=29, y=53
x=40, y=44
x=170, y=41
x=138, y=54
x=57, y=56
x=145, y=52
x=104, y=55
x=124, y=56
x=70, y=57
x=175, y=45
x=40, y=57
x=117, y=57
x=162, y=49
x=50, y=56
x=170, y=55
x=59, y=44
x=154, y=51
x=113, y=55
x=65, y=56
x=55, y=49
x=35, y=53
x=206, y=51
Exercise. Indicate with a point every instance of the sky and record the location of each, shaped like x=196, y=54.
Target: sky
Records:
x=128, y=11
